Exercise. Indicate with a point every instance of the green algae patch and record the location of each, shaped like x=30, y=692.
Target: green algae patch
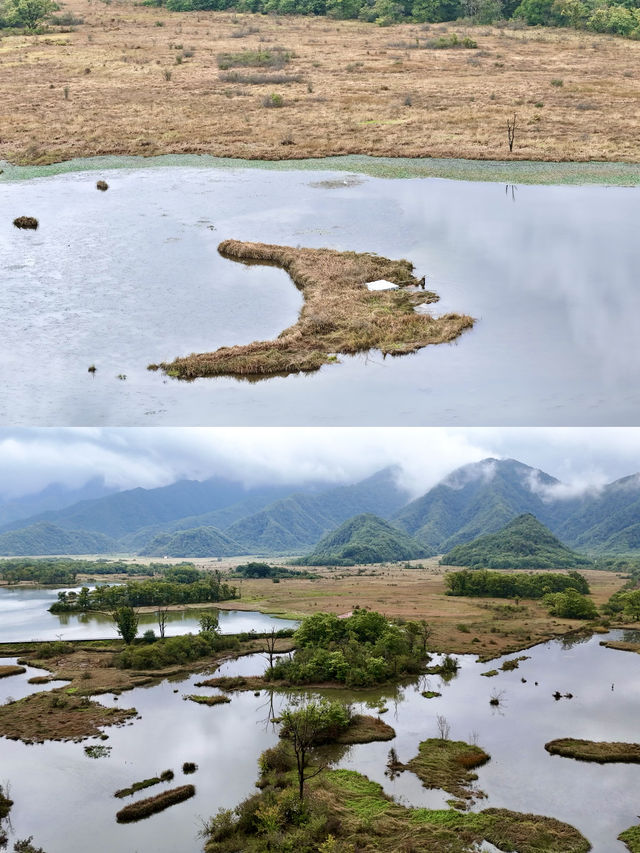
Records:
x=340, y=314
x=447, y=764
x=500, y=171
x=603, y=752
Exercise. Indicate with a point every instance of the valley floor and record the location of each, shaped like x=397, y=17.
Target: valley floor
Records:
x=131, y=79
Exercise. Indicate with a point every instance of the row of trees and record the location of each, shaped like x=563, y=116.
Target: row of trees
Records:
x=201, y=588
x=360, y=650
x=598, y=15
x=64, y=571
x=485, y=583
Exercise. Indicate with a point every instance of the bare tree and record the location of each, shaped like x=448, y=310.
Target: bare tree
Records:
x=161, y=616
x=444, y=729
x=268, y=650
x=511, y=131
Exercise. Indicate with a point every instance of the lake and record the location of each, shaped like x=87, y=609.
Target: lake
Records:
x=132, y=276
x=24, y=616
x=225, y=741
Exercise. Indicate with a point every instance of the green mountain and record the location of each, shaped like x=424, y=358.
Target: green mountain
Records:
x=608, y=520
x=300, y=520
x=524, y=543
x=45, y=538
x=481, y=498
x=198, y=542
x=364, y=539
x=125, y=512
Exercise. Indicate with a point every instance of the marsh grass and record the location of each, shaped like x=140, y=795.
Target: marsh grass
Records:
x=26, y=222
x=6, y=671
x=339, y=314
x=208, y=700
x=275, y=57
x=603, y=752
x=144, y=808
x=447, y=764
x=631, y=838
x=165, y=776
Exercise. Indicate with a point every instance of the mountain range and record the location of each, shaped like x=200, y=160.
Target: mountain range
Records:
x=222, y=517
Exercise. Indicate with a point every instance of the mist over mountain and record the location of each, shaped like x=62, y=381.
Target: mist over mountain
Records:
x=222, y=517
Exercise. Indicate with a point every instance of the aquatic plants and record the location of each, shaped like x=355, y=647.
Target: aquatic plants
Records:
x=603, y=752
x=145, y=808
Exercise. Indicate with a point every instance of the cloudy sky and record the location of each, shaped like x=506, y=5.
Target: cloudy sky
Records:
x=30, y=459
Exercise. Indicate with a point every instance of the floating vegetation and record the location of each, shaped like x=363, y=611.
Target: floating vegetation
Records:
x=447, y=764
x=97, y=751
x=339, y=315
x=490, y=673
x=28, y=222
x=603, y=752
x=145, y=808
x=209, y=700
x=189, y=767
x=631, y=838
x=91, y=369
x=165, y=776
x=103, y=186
x=430, y=694
x=11, y=669
x=513, y=663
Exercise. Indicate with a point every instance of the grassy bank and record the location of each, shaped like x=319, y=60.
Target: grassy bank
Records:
x=344, y=812
x=132, y=79
x=12, y=669
x=339, y=314
x=601, y=751
x=631, y=838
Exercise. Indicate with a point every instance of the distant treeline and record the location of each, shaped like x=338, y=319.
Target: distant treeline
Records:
x=180, y=586
x=264, y=570
x=64, y=571
x=616, y=18
x=481, y=582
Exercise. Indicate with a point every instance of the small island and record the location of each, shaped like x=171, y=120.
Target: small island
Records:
x=340, y=314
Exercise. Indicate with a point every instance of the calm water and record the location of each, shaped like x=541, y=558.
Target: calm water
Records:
x=132, y=276
x=24, y=616
x=226, y=740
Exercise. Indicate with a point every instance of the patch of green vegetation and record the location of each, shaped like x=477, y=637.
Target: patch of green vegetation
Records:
x=361, y=650
x=490, y=673
x=265, y=570
x=513, y=663
x=430, y=694
x=62, y=571
x=174, y=650
x=631, y=838
x=603, y=752
x=209, y=700
x=177, y=586
x=485, y=583
x=447, y=764
x=524, y=543
x=97, y=751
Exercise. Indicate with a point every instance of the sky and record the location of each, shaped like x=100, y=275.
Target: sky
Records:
x=31, y=459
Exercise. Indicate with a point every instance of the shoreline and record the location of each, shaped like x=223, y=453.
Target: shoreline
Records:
x=532, y=172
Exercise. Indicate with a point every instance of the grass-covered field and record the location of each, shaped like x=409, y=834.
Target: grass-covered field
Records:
x=130, y=79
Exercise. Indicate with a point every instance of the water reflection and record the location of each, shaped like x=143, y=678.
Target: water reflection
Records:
x=24, y=616
x=550, y=279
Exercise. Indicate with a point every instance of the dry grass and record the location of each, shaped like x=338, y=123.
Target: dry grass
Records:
x=496, y=626
x=57, y=716
x=589, y=750
x=366, y=729
x=351, y=97
x=6, y=671
x=144, y=808
x=339, y=315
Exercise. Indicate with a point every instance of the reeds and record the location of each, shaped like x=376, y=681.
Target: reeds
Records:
x=145, y=808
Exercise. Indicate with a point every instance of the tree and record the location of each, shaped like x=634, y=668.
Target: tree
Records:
x=208, y=622
x=29, y=13
x=126, y=620
x=308, y=726
x=161, y=616
x=268, y=650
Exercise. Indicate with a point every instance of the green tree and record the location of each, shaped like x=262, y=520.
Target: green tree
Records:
x=126, y=620
x=28, y=13
x=308, y=726
x=208, y=622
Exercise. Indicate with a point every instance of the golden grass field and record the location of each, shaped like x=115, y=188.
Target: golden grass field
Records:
x=138, y=80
